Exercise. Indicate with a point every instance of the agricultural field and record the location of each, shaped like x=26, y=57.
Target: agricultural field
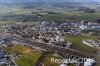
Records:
x=67, y=17
x=28, y=56
x=46, y=60
x=71, y=17
x=78, y=45
x=20, y=14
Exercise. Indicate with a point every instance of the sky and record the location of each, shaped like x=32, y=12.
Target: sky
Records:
x=54, y=1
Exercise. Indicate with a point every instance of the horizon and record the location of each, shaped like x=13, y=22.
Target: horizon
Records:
x=48, y=1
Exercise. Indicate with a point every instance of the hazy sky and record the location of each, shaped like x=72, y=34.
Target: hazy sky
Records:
x=14, y=1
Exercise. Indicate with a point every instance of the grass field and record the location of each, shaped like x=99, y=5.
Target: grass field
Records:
x=71, y=17
x=28, y=59
x=15, y=49
x=7, y=22
x=47, y=60
x=78, y=45
x=20, y=15
x=28, y=55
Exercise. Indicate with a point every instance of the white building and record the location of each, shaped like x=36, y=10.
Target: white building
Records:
x=89, y=25
x=92, y=43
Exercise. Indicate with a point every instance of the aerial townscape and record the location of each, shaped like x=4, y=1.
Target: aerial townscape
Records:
x=49, y=33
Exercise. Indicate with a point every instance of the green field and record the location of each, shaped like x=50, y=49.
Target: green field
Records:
x=19, y=15
x=28, y=55
x=78, y=45
x=71, y=17
x=47, y=60
x=28, y=59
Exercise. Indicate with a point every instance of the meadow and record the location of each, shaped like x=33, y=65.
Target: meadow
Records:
x=28, y=56
x=77, y=43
